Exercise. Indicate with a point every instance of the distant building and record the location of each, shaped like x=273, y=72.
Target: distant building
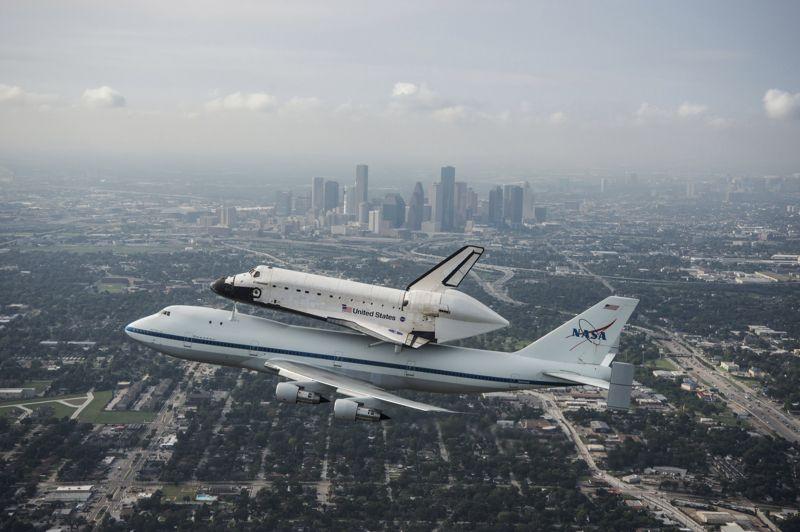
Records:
x=436, y=197
x=17, y=393
x=350, y=204
x=227, y=216
x=448, y=191
x=363, y=212
x=600, y=427
x=283, y=203
x=461, y=198
x=527, y=201
x=729, y=366
x=393, y=210
x=512, y=204
x=495, y=215
x=331, y=196
x=540, y=214
x=318, y=194
x=416, y=208
x=362, y=184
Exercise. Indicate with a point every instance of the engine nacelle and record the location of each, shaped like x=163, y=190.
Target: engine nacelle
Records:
x=352, y=411
x=287, y=392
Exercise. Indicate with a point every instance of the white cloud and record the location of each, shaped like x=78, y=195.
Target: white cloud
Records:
x=648, y=112
x=241, y=101
x=688, y=110
x=301, y=104
x=451, y=114
x=17, y=96
x=781, y=105
x=103, y=97
x=557, y=118
x=415, y=97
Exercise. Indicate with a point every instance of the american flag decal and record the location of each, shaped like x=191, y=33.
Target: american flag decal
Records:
x=345, y=308
x=611, y=307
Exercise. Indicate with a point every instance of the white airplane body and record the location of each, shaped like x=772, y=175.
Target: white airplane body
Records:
x=319, y=363
x=429, y=310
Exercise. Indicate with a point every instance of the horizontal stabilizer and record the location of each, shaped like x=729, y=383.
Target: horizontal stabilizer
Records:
x=619, y=392
x=450, y=272
x=579, y=379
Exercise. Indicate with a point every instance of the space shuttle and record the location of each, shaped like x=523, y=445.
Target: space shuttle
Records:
x=428, y=310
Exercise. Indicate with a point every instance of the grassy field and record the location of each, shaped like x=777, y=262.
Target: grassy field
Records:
x=59, y=410
x=94, y=413
x=40, y=399
x=177, y=493
x=662, y=363
x=111, y=288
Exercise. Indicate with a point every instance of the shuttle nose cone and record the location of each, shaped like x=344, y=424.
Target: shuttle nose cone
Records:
x=218, y=286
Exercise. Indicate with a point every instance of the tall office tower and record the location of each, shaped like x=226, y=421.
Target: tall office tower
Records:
x=527, y=201
x=362, y=182
x=512, y=204
x=690, y=190
x=331, y=198
x=363, y=212
x=227, y=216
x=317, y=193
x=435, y=197
x=283, y=203
x=350, y=204
x=416, y=208
x=603, y=185
x=448, y=190
x=540, y=213
x=393, y=210
x=496, y=206
x=460, y=205
x=472, y=204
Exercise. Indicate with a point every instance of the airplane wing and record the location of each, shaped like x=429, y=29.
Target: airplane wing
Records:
x=450, y=272
x=386, y=334
x=343, y=384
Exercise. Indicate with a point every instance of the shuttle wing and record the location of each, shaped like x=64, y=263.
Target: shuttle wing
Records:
x=386, y=334
x=344, y=385
x=450, y=272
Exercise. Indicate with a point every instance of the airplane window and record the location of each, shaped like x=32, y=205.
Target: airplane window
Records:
x=257, y=274
x=297, y=289
x=319, y=294
x=274, y=286
x=332, y=296
x=285, y=287
x=306, y=291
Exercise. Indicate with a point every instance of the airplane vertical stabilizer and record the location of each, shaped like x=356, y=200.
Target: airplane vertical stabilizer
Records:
x=588, y=337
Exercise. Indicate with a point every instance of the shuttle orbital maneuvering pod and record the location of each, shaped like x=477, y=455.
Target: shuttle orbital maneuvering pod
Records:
x=429, y=310
x=320, y=363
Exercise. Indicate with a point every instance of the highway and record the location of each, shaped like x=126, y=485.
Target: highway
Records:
x=654, y=499
x=763, y=413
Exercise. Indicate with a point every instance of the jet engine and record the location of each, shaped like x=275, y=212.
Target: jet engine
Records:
x=353, y=411
x=288, y=392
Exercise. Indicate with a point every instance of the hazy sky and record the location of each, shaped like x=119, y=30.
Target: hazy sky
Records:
x=517, y=87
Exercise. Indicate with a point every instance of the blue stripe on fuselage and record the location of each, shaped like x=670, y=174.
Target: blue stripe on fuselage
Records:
x=349, y=360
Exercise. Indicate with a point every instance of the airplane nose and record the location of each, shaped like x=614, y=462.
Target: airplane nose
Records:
x=131, y=328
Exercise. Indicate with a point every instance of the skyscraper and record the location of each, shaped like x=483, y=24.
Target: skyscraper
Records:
x=448, y=191
x=416, y=208
x=350, y=203
x=496, y=206
x=362, y=183
x=527, y=201
x=512, y=204
x=317, y=193
x=393, y=210
x=331, y=197
x=460, y=205
x=435, y=197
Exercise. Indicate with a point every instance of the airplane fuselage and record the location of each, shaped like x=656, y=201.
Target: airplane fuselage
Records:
x=239, y=340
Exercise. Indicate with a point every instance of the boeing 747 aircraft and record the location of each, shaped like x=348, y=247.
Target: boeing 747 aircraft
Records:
x=320, y=363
